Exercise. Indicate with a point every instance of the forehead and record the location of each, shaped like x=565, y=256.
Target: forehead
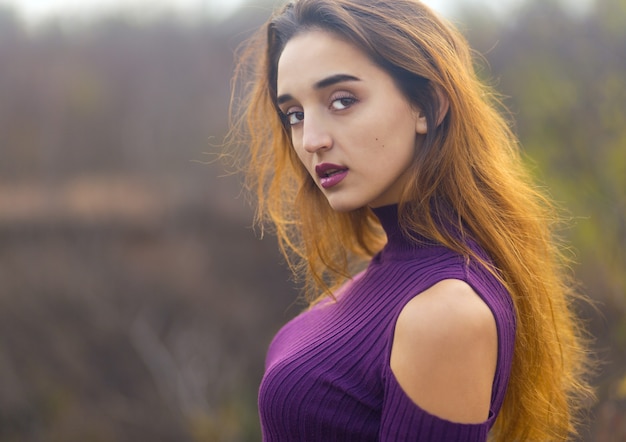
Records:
x=313, y=55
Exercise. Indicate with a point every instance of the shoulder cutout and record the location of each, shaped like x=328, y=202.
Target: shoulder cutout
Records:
x=445, y=351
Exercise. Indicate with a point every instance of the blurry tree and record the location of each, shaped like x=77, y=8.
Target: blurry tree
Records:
x=565, y=75
x=133, y=296
x=115, y=96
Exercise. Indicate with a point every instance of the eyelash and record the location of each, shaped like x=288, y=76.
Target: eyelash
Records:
x=342, y=97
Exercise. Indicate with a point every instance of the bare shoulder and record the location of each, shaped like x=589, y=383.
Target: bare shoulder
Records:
x=445, y=351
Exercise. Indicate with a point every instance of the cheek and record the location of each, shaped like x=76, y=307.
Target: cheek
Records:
x=394, y=155
x=299, y=157
x=394, y=145
x=300, y=161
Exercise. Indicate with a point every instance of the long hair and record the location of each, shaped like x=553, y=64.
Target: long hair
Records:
x=468, y=174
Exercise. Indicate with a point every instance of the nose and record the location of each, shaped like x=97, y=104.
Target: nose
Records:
x=315, y=135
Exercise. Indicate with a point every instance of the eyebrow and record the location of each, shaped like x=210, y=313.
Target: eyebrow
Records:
x=323, y=83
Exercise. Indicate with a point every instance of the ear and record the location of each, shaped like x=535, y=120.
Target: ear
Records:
x=421, y=126
x=444, y=105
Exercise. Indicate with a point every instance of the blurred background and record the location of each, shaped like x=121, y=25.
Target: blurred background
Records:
x=136, y=301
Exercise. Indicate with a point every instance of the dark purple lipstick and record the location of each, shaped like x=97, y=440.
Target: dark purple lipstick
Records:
x=330, y=174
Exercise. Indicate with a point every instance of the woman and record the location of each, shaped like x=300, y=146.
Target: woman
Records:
x=440, y=308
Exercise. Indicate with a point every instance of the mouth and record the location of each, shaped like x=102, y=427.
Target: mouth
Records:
x=330, y=174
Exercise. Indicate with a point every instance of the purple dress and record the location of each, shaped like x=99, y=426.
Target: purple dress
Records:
x=327, y=372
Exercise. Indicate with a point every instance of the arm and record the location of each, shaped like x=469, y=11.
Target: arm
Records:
x=444, y=352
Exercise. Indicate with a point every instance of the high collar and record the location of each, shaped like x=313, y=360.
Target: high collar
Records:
x=399, y=243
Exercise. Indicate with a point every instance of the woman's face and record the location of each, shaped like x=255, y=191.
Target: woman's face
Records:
x=351, y=127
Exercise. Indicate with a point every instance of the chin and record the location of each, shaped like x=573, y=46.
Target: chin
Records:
x=343, y=206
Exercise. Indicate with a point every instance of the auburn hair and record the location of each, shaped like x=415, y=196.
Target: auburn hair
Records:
x=468, y=174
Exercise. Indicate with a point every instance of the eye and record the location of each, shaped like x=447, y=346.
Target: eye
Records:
x=342, y=102
x=294, y=116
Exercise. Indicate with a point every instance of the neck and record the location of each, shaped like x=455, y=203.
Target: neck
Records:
x=398, y=240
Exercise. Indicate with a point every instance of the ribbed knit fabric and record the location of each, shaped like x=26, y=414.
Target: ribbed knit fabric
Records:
x=327, y=371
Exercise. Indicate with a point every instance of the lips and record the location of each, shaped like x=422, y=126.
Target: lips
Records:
x=330, y=174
